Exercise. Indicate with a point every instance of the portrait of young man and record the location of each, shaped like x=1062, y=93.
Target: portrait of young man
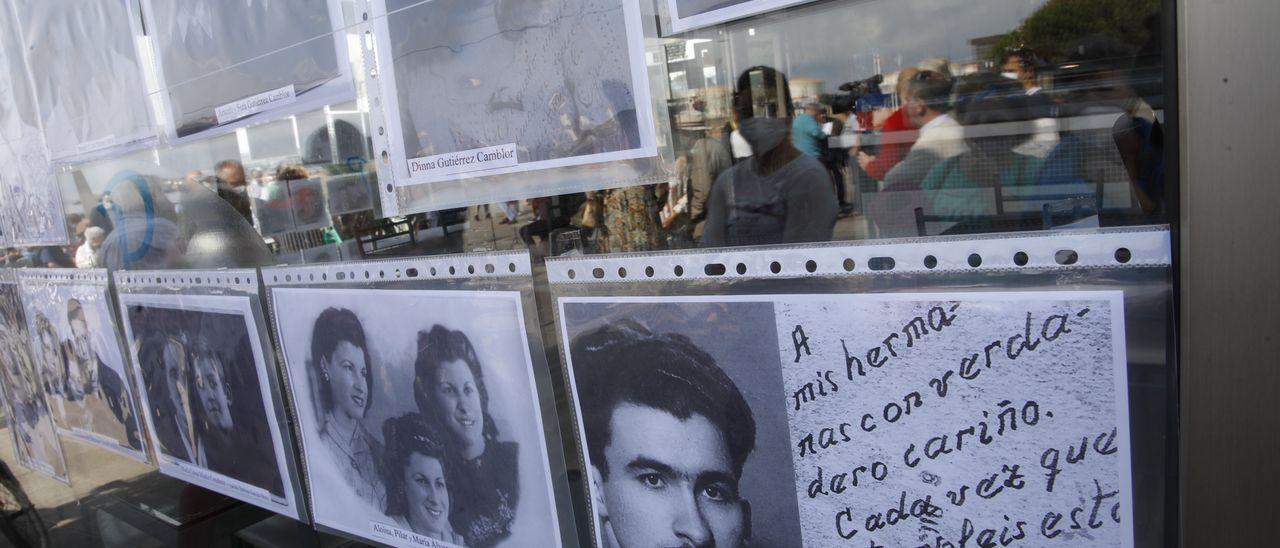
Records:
x=668, y=434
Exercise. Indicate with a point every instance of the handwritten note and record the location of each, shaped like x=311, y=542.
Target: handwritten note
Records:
x=965, y=419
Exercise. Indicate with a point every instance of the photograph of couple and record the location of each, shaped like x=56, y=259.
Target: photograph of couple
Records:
x=207, y=395
x=73, y=342
x=419, y=427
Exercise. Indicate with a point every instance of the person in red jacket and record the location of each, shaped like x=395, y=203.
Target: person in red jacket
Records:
x=897, y=135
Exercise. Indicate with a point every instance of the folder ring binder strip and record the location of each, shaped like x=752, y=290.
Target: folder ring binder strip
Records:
x=35, y=440
x=427, y=369
x=870, y=393
x=450, y=86
x=209, y=384
x=222, y=66
x=72, y=334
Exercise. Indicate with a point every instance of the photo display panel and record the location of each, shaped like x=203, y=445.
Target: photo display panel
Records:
x=35, y=438
x=691, y=14
x=91, y=90
x=228, y=64
x=917, y=411
x=31, y=212
x=208, y=383
x=76, y=347
x=481, y=89
x=421, y=411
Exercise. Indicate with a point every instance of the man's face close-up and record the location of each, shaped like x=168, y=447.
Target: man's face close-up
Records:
x=670, y=482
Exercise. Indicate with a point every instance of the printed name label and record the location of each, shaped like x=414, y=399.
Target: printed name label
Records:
x=462, y=162
x=255, y=104
x=396, y=535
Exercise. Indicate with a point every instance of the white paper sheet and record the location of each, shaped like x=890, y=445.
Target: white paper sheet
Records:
x=559, y=83
x=899, y=431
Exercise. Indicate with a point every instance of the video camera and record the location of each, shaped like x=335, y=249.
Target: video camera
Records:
x=862, y=87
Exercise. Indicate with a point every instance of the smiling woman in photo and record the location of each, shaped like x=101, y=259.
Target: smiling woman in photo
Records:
x=415, y=473
x=344, y=386
x=449, y=388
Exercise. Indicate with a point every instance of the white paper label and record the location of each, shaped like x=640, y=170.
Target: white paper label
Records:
x=255, y=104
x=477, y=159
x=401, y=537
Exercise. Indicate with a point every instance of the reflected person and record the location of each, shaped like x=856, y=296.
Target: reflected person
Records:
x=779, y=195
x=415, y=475
x=344, y=388
x=449, y=388
x=638, y=391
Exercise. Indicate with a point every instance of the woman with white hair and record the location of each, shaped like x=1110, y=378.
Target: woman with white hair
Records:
x=87, y=254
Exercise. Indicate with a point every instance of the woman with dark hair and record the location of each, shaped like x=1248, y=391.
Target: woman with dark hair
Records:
x=344, y=391
x=449, y=388
x=416, y=475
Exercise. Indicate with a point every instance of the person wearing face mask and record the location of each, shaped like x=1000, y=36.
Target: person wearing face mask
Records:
x=779, y=195
x=1109, y=133
x=988, y=106
x=481, y=470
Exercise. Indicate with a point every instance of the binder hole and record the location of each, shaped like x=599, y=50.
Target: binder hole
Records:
x=742, y=269
x=975, y=260
x=648, y=271
x=775, y=267
x=881, y=263
x=622, y=272
x=452, y=271
x=679, y=270
x=849, y=265
x=411, y=272
x=597, y=273
x=433, y=271
x=471, y=269
x=714, y=269
x=1123, y=255
x=488, y=269
x=811, y=265
x=1020, y=258
x=572, y=274
x=1066, y=257
x=511, y=267
x=930, y=262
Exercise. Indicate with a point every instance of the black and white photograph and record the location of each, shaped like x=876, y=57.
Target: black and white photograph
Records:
x=692, y=14
x=32, y=212
x=306, y=199
x=30, y=423
x=88, y=81
x=418, y=415
x=205, y=387
x=958, y=413
x=681, y=411
x=217, y=57
x=74, y=343
x=504, y=86
x=348, y=193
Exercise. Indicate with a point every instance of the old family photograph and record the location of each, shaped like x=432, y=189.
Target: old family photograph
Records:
x=420, y=427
